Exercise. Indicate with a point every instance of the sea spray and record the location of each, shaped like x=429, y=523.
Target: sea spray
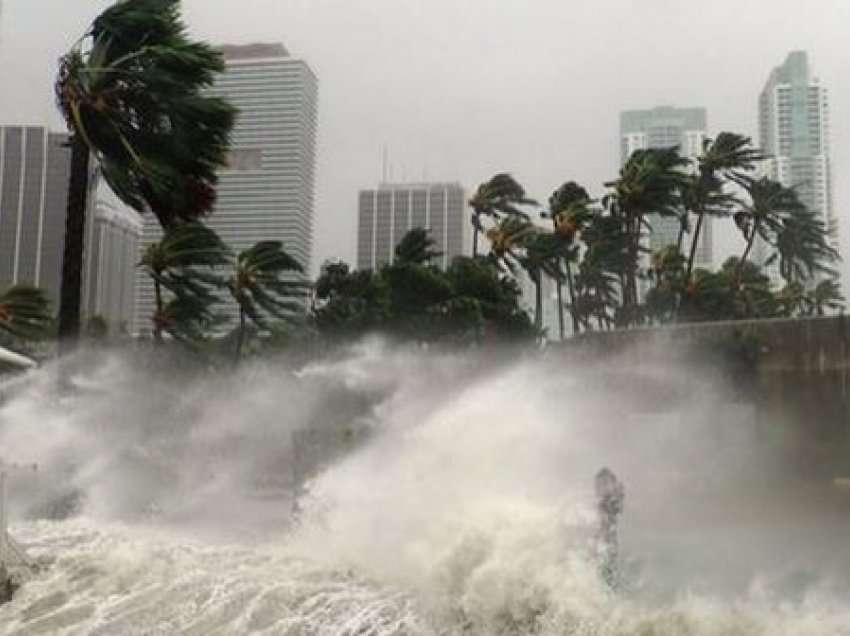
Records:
x=467, y=509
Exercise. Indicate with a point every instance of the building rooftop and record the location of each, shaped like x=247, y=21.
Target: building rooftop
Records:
x=416, y=185
x=253, y=51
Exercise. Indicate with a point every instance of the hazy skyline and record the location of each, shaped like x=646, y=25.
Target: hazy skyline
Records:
x=461, y=90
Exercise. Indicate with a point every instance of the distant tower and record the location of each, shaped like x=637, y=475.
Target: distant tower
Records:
x=267, y=190
x=387, y=213
x=794, y=132
x=663, y=127
x=34, y=168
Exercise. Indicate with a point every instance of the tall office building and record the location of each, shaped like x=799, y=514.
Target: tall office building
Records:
x=266, y=192
x=663, y=127
x=112, y=253
x=794, y=133
x=35, y=166
x=34, y=170
x=387, y=213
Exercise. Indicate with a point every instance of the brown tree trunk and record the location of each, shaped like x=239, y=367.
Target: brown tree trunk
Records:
x=75, y=232
x=158, y=318
x=692, y=255
x=240, y=337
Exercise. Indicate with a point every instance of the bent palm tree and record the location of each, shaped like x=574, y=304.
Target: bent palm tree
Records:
x=770, y=203
x=416, y=247
x=24, y=313
x=704, y=192
x=263, y=287
x=500, y=196
x=131, y=92
x=507, y=240
x=184, y=263
x=826, y=295
x=569, y=211
x=650, y=182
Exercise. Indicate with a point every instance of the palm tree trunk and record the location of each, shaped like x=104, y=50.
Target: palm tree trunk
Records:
x=750, y=241
x=572, y=292
x=75, y=232
x=240, y=336
x=694, y=242
x=157, y=323
x=474, y=241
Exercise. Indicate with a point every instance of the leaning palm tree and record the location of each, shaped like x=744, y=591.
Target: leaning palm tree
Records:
x=508, y=239
x=826, y=295
x=543, y=257
x=264, y=287
x=132, y=93
x=418, y=247
x=762, y=215
x=185, y=264
x=500, y=196
x=24, y=313
x=569, y=210
x=802, y=248
x=704, y=193
x=650, y=182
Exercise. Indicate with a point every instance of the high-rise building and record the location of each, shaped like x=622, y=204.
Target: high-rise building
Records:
x=387, y=213
x=794, y=133
x=112, y=253
x=34, y=170
x=664, y=127
x=266, y=192
x=35, y=166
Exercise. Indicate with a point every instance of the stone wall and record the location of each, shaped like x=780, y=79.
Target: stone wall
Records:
x=795, y=372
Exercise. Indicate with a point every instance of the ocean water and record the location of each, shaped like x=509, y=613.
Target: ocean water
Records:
x=444, y=495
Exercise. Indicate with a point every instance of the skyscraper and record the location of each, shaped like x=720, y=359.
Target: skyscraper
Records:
x=266, y=192
x=794, y=133
x=388, y=212
x=111, y=256
x=34, y=169
x=663, y=127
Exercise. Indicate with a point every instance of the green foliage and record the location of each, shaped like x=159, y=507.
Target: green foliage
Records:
x=133, y=89
x=265, y=287
x=416, y=247
x=25, y=313
x=186, y=263
x=501, y=196
x=412, y=300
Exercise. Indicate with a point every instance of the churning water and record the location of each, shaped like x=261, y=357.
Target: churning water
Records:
x=444, y=495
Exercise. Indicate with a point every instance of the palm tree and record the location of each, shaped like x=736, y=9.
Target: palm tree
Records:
x=24, y=313
x=704, y=192
x=650, y=182
x=543, y=256
x=131, y=91
x=263, y=286
x=826, y=295
x=802, y=247
x=417, y=247
x=792, y=299
x=508, y=239
x=184, y=263
x=763, y=215
x=569, y=211
x=501, y=196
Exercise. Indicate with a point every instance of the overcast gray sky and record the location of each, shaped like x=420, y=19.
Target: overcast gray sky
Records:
x=461, y=89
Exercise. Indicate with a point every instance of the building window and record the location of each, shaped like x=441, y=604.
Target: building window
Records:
x=241, y=159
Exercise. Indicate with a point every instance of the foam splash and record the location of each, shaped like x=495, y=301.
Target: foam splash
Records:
x=467, y=509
